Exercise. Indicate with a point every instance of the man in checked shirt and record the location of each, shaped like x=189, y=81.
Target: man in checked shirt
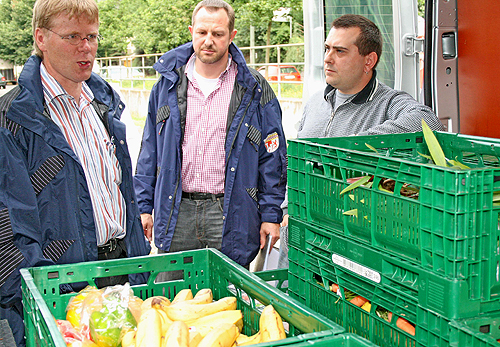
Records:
x=212, y=164
x=66, y=189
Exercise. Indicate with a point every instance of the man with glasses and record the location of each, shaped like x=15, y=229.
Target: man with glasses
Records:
x=66, y=191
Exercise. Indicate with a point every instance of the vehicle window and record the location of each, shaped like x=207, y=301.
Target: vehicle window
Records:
x=381, y=14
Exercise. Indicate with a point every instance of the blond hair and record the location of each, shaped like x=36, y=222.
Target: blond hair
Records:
x=45, y=11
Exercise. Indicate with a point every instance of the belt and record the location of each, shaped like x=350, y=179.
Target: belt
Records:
x=201, y=196
x=109, y=246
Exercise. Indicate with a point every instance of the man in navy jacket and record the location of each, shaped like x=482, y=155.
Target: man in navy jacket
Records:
x=47, y=215
x=231, y=203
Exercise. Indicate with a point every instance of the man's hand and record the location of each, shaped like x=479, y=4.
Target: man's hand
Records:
x=284, y=223
x=147, y=225
x=272, y=229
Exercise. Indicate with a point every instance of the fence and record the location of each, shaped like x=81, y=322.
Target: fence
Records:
x=134, y=76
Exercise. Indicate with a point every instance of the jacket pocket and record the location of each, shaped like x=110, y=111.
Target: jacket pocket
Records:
x=254, y=136
x=46, y=172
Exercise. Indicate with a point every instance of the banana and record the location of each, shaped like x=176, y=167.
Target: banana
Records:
x=160, y=302
x=223, y=335
x=177, y=335
x=157, y=300
x=128, y=339
x=187, y=312
x=204, y=296
x=194, y=338
x=271, y=325
x=205, y=324
x=243, y=340
x=183, y=295
x=165, y=321
x=149, y=329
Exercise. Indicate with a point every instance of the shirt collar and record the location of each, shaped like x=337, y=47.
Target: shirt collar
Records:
x=52, y=88
x=190, y=66
x=366, y=94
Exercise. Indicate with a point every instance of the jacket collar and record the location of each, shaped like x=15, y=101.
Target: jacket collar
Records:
x=168, y=63
x=366, y=94
x=29, y=110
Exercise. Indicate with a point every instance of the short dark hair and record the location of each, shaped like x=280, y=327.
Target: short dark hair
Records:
x=213, y=6
x=370, y=39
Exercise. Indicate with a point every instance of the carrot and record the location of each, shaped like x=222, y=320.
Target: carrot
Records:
x=358, y=301
x=334, y=287
x=403, y=324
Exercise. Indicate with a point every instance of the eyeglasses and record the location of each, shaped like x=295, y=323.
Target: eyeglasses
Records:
x=75, y=39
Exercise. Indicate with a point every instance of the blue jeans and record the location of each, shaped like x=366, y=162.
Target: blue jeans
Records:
x=199, y=225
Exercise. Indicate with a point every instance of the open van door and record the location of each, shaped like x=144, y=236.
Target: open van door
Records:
x=398, y=21
x=463, y=84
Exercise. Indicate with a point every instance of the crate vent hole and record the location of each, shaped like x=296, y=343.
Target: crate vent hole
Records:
x=53, y=274
x=485, y=329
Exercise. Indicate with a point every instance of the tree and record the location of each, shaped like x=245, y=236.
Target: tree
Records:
x=163, y=25
x=16, y=44
x=117, y=25
x=259, y=13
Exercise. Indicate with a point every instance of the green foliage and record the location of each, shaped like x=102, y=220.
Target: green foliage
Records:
x=16, y=41
x=421, y=8
x=153, y=26
x=115, y=17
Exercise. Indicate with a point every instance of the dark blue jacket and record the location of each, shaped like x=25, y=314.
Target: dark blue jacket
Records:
x=46, y=213
x=255, y=178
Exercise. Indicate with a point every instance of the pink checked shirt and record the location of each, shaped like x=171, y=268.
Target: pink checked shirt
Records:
x=203, y=149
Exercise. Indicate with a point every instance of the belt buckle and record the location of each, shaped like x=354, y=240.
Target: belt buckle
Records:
x=113, y=244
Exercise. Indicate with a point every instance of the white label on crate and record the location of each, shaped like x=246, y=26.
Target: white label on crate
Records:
x=357, y=268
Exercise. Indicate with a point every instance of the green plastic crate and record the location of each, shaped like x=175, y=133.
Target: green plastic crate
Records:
x=482, y=331
x=395, y=279
x=452, y=229
x=342, y=340
x=313, y=293
x=205, y=268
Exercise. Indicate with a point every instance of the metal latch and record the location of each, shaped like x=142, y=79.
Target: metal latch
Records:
x=413, y=45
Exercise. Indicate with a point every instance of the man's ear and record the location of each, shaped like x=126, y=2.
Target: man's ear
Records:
x=370, y=61
x=40, y=38
x=233, y=34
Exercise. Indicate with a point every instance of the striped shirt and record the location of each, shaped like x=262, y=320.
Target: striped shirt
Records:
x=87, y=136
x=203, y=149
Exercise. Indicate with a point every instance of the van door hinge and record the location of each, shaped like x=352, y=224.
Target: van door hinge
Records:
x=413, y=45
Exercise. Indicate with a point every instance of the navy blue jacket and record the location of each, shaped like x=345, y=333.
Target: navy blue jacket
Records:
x=46, y=213
x=255, y=178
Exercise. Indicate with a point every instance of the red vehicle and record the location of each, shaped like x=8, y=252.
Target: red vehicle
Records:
x=3, y=81
x=287, y=73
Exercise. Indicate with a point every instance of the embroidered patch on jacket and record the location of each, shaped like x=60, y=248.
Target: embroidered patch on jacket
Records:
x=10, y=255
x=272, y=142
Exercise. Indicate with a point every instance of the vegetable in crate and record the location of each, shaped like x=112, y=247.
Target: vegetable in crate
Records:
x=104, y=315
x=403, y=324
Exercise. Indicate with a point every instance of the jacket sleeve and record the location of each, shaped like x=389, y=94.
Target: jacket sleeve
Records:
x=20, y=238
x=272, y=157
x=404, y=115
x=145, y=175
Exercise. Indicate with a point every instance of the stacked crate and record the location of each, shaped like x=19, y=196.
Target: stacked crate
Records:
x=205, y=268
x=431, y=258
